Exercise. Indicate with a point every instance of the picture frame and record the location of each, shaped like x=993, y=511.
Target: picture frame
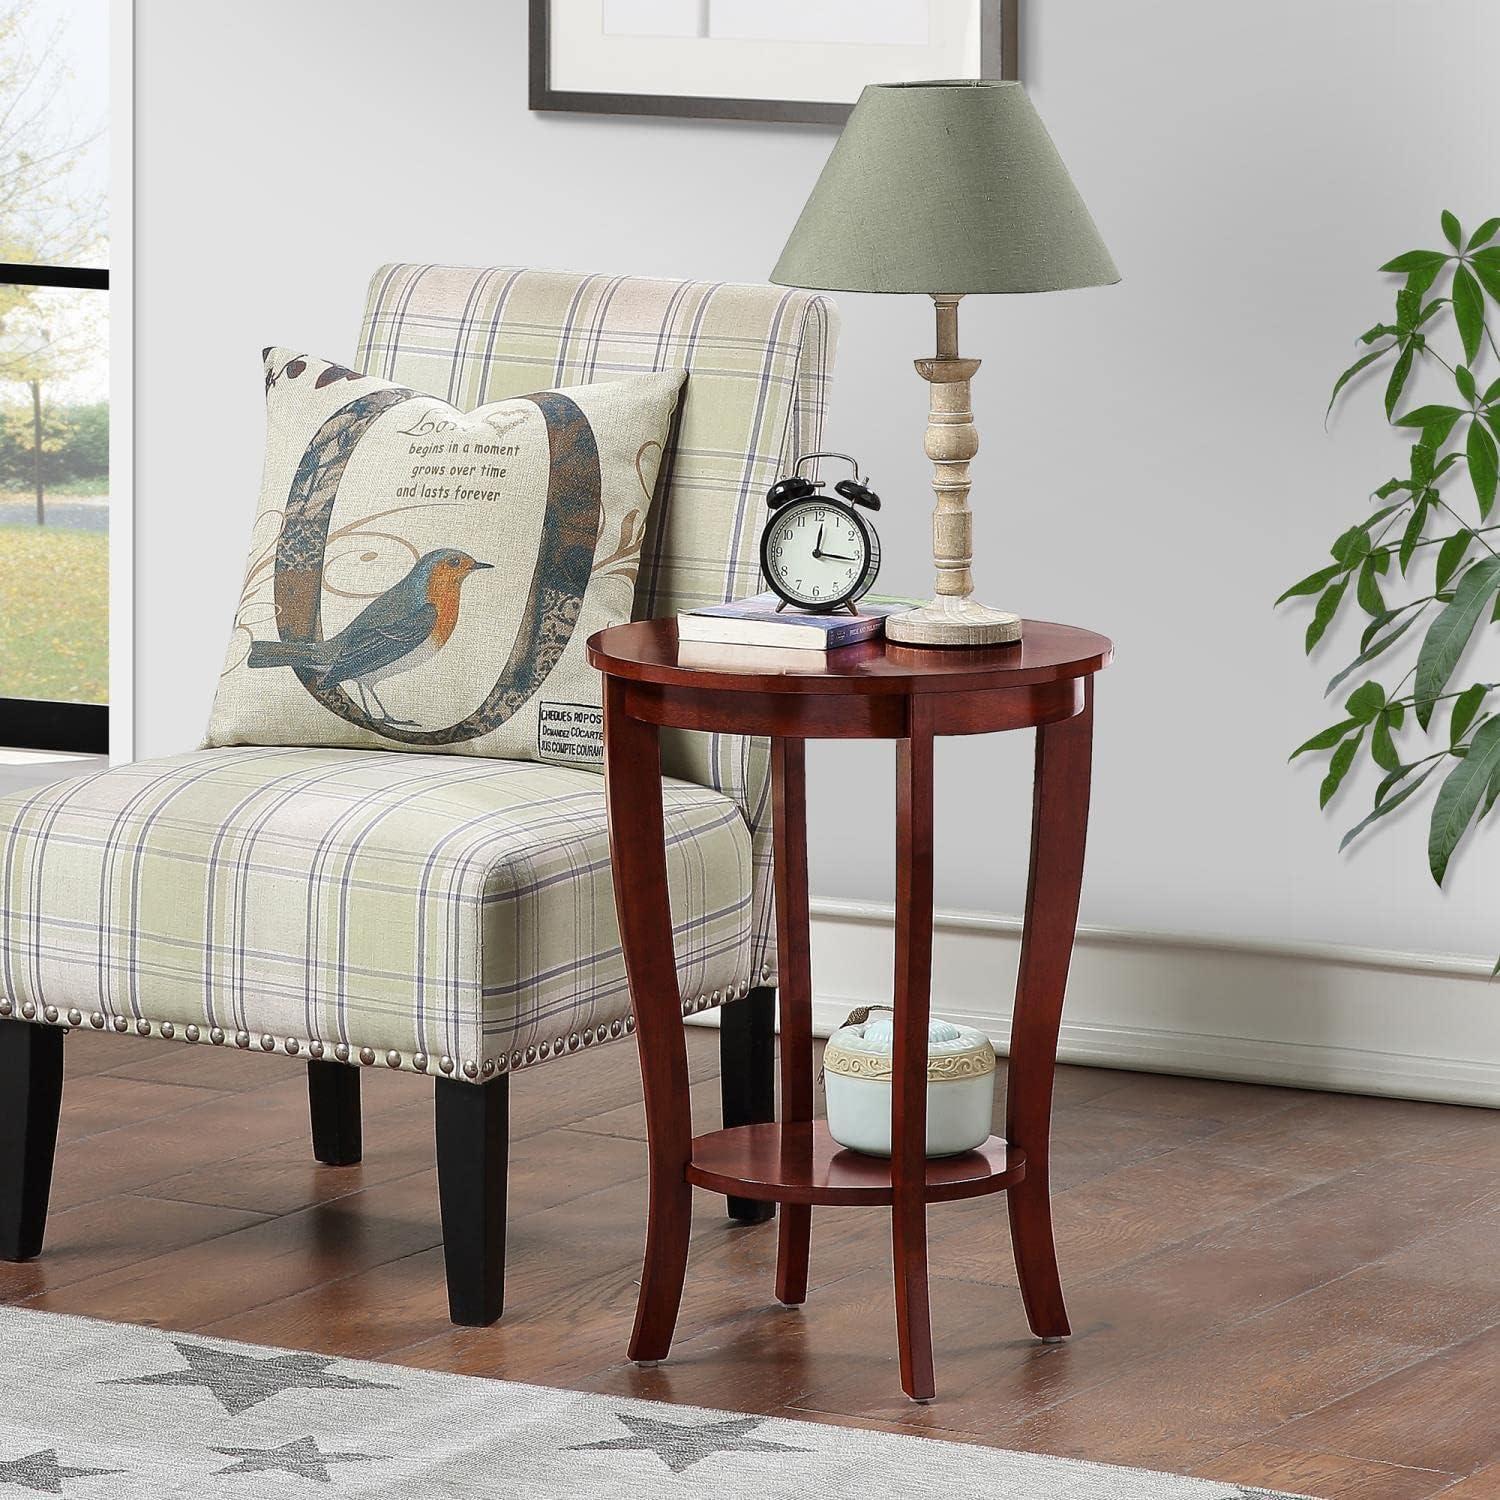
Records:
x=998, y=23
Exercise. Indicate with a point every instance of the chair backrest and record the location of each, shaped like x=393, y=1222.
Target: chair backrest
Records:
x=759, y=359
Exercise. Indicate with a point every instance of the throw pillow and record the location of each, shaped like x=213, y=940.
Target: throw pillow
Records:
x=424, y=578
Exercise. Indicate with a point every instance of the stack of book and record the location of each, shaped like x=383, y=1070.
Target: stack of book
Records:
x=755, y=633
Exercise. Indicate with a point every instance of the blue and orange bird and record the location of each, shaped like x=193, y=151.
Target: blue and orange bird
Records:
x=402, y=629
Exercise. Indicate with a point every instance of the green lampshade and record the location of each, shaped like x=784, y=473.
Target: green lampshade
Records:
x=945, y=188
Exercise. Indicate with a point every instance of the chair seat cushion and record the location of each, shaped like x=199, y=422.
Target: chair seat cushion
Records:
x=429, y=911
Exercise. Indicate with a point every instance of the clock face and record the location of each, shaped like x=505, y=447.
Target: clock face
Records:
x=818, y=554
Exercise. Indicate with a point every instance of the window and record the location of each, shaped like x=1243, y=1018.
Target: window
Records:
x=54, y=374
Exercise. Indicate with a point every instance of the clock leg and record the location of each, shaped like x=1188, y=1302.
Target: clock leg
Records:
x=1060, y=810
x=638, y=862
x=789, y=824
x=909, y=1066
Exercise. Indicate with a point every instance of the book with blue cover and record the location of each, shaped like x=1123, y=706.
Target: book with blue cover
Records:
x=757, y=622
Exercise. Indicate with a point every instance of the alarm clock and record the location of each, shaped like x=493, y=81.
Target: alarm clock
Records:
x=817, y=552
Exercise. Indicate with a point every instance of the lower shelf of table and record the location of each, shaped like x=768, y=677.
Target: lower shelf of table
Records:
x=802, y=1163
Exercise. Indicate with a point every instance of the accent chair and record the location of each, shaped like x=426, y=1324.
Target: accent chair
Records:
x=441, y=914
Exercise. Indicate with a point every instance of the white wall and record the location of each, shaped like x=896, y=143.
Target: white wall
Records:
x=1155, y=463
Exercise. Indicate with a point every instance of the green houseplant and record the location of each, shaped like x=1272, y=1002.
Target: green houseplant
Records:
x=1423, y=567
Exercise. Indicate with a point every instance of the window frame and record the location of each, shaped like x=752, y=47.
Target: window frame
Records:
x=46, y=723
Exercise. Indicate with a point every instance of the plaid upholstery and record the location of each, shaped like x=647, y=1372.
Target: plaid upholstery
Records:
x=434, y=908
x=758, y=359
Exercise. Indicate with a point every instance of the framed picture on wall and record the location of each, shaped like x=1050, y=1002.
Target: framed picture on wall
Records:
x=783, y=60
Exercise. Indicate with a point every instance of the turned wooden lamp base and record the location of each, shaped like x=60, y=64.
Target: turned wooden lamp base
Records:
x=947, y=621
x=954, y=617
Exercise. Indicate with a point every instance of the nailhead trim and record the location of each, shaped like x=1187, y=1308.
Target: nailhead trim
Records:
x=5, y=1007
x=122, y=1024
x=419, y=1061
x=367, y=1056
x=49, y=1015
x=517, y=1058
x=143, y=1028
x=75, y=1018
x=268, y=1043
x=28, y=1009
x=95, y=1020
x=445, y=1064
x=393, y=1059
x=293, y=1046
x=488, y=1068
x=471, y=1069
x=216, y=1036
x=315, y=1051
x=192, y=1033
x=342, y=1052
x=242, y=1039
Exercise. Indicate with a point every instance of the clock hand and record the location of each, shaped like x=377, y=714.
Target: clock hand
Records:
x=818, y=545
x=832, y=557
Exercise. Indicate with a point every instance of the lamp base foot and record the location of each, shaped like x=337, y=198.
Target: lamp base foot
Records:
x=951, y=621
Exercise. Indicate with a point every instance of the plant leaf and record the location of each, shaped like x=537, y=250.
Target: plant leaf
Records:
x=1435, y=421
x=1378, y=648
x=1452, y=232
x=1465, y=706
x=1417, y=260
x=1327, y=607
x=1325, y=739
x=1314, y=583
x=1351, y=545
x=1384, y=808
x=1485, y=232
x=1351, y=372
x=1413, y=533
x=1468, y=313
x=1487, y=271
x=1459, y=795
x=1365, y=702
x=1449, y=633
x=1463, y=378
x=1484, y=465
x=1367, y=591
x=1383, y=747
x=1397, y=383
x=1450, y=555
x=1338, y=767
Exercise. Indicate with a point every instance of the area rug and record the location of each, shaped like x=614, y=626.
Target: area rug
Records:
x=104, y=1410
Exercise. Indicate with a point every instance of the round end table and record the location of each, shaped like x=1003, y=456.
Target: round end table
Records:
x=875, y=690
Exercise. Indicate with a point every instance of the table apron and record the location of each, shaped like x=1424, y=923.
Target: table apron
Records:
x=851, y=716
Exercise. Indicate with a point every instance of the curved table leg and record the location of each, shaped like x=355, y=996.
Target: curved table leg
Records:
x=789, y=819
x=638, y=860
x=909, y=1066
x=1060, y=810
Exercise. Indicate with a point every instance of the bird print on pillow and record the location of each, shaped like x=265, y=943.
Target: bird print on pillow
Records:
x=397, y=632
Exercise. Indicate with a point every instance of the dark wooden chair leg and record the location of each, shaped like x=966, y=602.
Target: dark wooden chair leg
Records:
x=1060, y=814
x=747, y=1077
x=473, y=1130
x=333, y=1094
x=31, y=1082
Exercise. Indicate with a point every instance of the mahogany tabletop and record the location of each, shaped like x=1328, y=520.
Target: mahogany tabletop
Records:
x=648, y=651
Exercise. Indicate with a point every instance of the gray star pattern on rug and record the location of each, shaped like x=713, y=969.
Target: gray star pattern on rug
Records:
x=679, y=1447
x=41, y=1473
x=240, y=1381
x=303, y=1458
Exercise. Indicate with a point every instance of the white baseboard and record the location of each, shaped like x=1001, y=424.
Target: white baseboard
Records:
x=1352, y=1019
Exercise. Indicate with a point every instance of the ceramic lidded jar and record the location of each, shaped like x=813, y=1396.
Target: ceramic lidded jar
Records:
x=960, y=1086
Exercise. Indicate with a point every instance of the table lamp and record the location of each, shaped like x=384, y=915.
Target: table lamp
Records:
x=946, y=189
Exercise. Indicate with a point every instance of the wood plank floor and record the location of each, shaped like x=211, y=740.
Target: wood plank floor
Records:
x=1270, y=1287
